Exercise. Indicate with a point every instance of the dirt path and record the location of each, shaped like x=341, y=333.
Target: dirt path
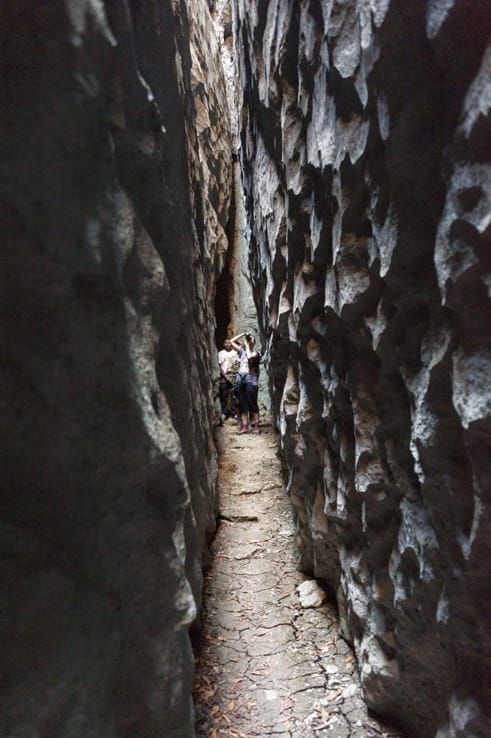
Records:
x=266, y=666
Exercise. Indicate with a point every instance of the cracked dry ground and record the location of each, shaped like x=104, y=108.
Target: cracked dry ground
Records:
x=265, y=666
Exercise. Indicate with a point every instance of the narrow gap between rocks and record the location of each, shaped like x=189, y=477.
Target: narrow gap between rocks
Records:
x=225, y=285
x=269, y=660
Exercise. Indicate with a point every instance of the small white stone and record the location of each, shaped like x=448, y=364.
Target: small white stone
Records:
x=311, y=595
x=349, y=691
x=331, y=669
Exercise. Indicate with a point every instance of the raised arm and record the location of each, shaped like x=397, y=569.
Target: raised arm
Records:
x=235, y=341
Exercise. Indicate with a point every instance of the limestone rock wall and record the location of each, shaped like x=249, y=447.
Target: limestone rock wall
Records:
x=115, y=191
x=365, y=151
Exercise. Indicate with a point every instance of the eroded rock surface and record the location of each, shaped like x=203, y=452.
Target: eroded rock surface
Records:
x=114, y=200
x=366, y=146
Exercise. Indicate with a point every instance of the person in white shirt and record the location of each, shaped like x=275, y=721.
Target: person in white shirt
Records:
x=228, y=363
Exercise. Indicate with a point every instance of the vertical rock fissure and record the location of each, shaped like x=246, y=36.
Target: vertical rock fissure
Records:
x=225, y=299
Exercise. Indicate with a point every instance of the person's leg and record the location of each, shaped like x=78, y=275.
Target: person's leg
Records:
x=229, y=412
x=222, y=391
x=255, y=420
x=252, y=391
x=235, y=400
x=244, y=428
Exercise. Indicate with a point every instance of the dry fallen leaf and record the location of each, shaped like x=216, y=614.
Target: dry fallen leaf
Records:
x=333, y=696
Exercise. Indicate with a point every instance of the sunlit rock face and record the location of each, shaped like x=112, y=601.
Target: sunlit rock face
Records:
x=115, y=195
x=365, y=147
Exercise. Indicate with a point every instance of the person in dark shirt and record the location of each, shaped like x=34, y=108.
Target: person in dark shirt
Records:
x=248, y=377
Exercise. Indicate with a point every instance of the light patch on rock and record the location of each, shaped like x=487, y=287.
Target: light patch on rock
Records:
x=436, y=13
x=471, y=393
x=478, y=99
x=310, y=594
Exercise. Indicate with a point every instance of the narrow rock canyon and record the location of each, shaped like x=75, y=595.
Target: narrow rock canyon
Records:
x=155, y=157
